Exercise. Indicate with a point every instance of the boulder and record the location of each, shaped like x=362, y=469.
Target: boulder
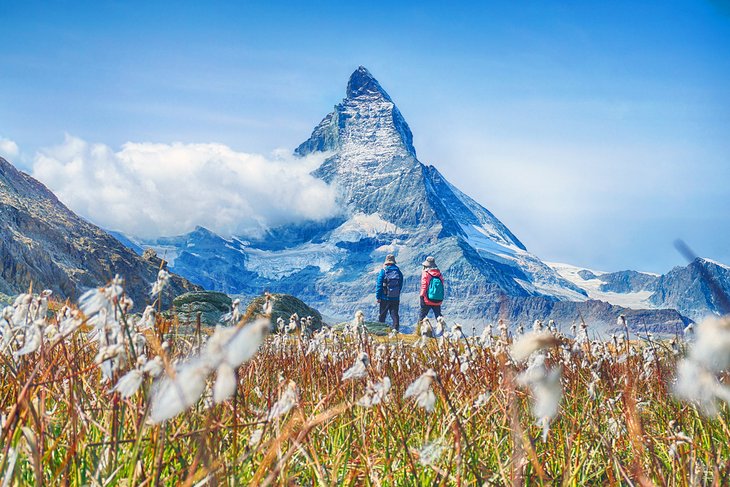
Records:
x=211, y=306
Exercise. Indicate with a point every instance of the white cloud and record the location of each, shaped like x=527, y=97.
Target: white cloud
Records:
x=8, y=148
x=149, y=189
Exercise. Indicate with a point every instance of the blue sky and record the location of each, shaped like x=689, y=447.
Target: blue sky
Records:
x=597, y=131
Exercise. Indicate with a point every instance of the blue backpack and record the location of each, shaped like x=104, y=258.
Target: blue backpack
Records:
x=436, y=289
x=392, y=282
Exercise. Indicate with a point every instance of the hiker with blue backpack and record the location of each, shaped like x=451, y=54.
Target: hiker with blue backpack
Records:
x=387, y=291
x=432, y=288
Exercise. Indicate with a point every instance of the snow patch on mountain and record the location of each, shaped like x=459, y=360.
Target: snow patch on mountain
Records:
x=635, y=300
x=360, y=226
x=542, y=279
x=719, y=264
x=283, y=263
x=483, y=241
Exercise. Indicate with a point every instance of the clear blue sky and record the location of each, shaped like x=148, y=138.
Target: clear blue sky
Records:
x=597, y=131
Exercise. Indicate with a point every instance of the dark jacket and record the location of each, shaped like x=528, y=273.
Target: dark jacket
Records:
x=379, y=291
x=426, y=277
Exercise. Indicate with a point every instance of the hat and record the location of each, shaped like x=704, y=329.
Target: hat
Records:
x=390, y=259
x=429, y=262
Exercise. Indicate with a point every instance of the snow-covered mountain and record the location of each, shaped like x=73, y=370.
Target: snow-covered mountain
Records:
x=375, y=169
x=630, y=289
x=44, y=243
x=684, y=288
x=391, y=203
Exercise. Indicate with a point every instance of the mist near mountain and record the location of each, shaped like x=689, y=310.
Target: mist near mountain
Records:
x=153, y=189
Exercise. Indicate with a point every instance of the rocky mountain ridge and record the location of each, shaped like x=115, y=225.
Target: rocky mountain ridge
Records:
x=44, y=243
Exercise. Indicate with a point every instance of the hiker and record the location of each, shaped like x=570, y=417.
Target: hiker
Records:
x=432, y=288
x=390, y=281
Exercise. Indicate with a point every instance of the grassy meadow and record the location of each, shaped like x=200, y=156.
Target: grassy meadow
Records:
x=288, y=417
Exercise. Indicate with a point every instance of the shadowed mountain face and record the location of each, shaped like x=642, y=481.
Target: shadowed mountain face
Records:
x=391, y=203
x=44, y=243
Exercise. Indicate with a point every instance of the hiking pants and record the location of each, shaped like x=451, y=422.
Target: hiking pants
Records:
x=425, y=308
x=390, y=306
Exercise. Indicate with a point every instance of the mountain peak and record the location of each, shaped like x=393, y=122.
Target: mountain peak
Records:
x=366, y=119
x=362, y=82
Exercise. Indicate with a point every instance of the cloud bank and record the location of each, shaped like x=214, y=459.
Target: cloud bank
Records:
x=8, y=148
x=148, y=189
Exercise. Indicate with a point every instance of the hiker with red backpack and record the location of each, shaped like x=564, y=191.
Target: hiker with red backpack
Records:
x=387, y=291
x=432, y=288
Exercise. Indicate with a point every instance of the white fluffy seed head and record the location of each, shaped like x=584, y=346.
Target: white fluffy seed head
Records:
x=430, y=453
x=128, y=385
x=153, y=367
x=163, y=277
x=31, y=341
x=421, y=391
x=546, y=390
x=288, y=399
x=245, y=342
x=359, y=318
x=698, y=385
x=225, y=383
x=359, y=369
x=375, y=393
x=172, y=396
x=712, y=344
x=529, y=343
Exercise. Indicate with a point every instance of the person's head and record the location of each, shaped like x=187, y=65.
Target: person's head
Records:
x=429, y=263
x=389, y=260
